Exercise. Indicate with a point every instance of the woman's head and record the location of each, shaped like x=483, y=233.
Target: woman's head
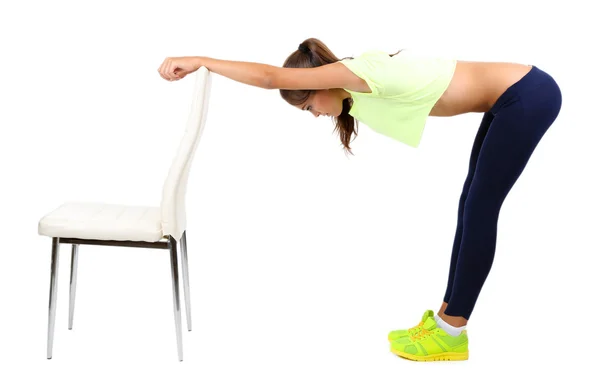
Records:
x=332, y=102
x=335, y=103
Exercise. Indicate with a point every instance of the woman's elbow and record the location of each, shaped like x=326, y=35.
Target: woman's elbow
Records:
x=269, y=81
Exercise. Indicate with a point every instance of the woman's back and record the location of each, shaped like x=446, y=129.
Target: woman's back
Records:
x=476, y=86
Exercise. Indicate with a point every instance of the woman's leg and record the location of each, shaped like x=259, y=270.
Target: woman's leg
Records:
x=483, y=129
x=521, y=117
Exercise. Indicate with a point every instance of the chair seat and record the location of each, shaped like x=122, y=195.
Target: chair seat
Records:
x=103, y=221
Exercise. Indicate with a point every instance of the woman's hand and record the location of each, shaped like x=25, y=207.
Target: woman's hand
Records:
x=175, y=68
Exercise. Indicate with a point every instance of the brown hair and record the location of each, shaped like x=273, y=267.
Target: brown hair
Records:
x=320, y=55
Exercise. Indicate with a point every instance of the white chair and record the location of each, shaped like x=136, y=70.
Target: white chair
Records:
x=164, y=227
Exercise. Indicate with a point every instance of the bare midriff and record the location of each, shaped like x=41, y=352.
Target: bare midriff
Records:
x=476, y=86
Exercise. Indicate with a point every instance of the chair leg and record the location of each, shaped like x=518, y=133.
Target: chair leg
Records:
x=53, y=290
x=186, y=281
x=176, y=308
x=73, y=284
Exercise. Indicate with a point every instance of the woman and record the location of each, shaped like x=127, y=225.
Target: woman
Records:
x=394, y=94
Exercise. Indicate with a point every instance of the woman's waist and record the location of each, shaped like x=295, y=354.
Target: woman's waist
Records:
x=476, y=86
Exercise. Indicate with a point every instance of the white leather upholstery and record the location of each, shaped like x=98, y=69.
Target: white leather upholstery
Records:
x=172, y=206
x=95, y=220
x=103, y=221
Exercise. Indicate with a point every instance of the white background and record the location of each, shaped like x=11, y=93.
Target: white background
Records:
x=301, y=259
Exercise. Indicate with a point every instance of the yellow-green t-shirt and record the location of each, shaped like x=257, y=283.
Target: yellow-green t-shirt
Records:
x=405, y=87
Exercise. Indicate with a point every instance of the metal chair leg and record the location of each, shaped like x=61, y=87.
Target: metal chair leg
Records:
x=186, y=281
x=73, y=284
x=176, y=308
x=53, y=290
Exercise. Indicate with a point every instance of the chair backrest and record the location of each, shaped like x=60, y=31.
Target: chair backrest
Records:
x=173, y=213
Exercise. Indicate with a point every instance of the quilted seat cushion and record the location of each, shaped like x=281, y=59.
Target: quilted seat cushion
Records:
x=103, y=221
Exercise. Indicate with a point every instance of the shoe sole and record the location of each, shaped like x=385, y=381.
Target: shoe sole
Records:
x=447, y=356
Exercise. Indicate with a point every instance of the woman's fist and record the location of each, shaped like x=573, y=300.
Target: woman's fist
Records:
x=175, y=68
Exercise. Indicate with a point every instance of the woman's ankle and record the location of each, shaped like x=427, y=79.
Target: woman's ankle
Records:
x=442, y=308
x=455, y=321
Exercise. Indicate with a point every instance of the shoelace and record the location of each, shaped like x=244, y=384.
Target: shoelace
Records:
x=415, y=328
x=423, y=333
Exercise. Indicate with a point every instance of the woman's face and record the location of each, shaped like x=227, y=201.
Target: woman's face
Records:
x=324, y=102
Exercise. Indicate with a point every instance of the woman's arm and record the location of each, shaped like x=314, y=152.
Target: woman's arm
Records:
x=334, y=75
x=254, y=74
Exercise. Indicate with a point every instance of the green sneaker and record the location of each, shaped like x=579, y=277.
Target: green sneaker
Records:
x=395, y=334
x=432, y=343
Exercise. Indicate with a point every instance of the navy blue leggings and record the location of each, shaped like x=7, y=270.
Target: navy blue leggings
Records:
x=508, y=134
